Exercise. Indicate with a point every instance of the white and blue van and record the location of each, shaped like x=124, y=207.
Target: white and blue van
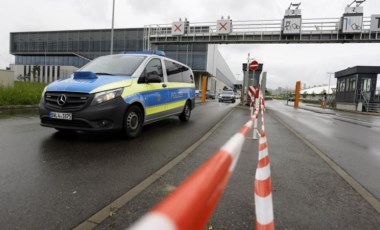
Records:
x=120, y=92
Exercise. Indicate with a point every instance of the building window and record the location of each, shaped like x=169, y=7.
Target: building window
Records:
x=366, y=84
x=342, y=85
x=352, y=85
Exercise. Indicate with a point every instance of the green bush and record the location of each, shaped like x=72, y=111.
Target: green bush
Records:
x=23, y=93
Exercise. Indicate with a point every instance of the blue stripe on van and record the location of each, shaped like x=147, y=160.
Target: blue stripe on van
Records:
x=159, y=97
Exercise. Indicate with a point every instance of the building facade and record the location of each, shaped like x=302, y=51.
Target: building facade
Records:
x=56, y=54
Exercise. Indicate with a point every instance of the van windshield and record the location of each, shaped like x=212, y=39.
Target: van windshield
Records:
x=124, y=65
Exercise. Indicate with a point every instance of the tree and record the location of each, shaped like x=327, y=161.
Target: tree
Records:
x=304, y=95
x=36, y=70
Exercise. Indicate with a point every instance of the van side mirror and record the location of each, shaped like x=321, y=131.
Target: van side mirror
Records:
x=152, y=78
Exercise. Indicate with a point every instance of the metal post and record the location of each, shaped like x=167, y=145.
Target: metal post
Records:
x=297, y=94
x=204, y=88
x=113, y=16
x=244, y=79
x=328, y=89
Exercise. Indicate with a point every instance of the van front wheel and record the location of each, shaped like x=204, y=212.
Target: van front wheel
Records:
x=133, y=121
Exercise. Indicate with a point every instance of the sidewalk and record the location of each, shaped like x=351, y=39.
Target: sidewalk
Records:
x=318, y=109
x=307, y=193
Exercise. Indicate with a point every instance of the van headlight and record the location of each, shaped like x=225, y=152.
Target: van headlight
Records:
x=106, y=96
x=42, y=99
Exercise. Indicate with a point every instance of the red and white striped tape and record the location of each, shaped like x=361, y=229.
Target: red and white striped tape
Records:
x=263, y=183
x=192, y=203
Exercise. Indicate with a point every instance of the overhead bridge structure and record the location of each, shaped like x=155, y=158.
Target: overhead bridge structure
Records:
x=323, y=30
x=351, y=27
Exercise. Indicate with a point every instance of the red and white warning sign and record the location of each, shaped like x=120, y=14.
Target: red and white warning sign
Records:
x=223, y=26
x=178, y=28
x=253, y=92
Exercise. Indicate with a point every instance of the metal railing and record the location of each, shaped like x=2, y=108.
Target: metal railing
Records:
x=369, y=106
x=242, y=30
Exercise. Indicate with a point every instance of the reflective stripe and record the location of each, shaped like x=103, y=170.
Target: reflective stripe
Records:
x=177, y=104
x=155, y=109
x=100, y=83
x=115, y=85
x=159, y=220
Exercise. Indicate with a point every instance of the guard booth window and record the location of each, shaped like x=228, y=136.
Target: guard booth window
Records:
x=352, y=85
x=342, y=85
x=366, y=85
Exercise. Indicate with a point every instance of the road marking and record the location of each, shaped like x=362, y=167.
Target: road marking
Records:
x=104, y=213
x=372, y=200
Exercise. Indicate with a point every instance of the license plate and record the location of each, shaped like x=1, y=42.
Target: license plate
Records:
x=62, y=116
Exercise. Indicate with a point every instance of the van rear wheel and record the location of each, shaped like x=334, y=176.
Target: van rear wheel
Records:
x=133, y=121
x=186, y=113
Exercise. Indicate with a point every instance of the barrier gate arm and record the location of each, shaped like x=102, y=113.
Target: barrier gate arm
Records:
x=190, y=206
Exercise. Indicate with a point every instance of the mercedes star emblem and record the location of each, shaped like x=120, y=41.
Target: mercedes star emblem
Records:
x=62, y=99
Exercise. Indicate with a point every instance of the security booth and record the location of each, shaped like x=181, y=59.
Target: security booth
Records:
x=356, y=88
x=252, y=79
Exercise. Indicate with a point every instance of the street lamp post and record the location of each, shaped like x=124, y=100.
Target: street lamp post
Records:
x=113, y=16
x=328, y=89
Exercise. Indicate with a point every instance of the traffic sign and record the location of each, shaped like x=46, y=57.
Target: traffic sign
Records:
x=224, y=26
x=253, y=65
x=178, y=28
x=253, y=92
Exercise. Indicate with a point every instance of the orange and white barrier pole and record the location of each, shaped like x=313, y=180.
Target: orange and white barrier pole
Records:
x=256, y=104
x=263, y=183
x=190, y=206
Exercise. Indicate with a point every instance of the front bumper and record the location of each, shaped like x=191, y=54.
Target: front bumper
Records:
x=226, y=99
x=103, y=117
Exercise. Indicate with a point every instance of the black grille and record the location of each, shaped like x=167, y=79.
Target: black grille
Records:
x=66, y=123
x=74, y=101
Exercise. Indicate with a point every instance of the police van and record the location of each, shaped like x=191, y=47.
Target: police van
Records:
x=120, y=92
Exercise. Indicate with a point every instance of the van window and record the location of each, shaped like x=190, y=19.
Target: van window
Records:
x=174, y=71
x=154, y=67
x=187, y=76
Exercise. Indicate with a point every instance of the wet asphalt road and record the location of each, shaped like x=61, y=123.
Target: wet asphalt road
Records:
x=351, y=140
x=53, y=181
x=49, y=180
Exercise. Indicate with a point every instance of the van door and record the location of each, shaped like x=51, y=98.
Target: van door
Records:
x=178, y=88
x=155, y=91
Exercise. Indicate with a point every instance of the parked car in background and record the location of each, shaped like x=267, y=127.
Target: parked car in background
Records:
x=228, y=96
x=198, y=93
x=210, y=94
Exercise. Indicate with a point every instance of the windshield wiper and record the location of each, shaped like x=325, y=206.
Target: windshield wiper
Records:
x=104, y=74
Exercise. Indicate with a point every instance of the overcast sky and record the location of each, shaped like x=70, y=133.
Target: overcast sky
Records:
x=285, y=64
